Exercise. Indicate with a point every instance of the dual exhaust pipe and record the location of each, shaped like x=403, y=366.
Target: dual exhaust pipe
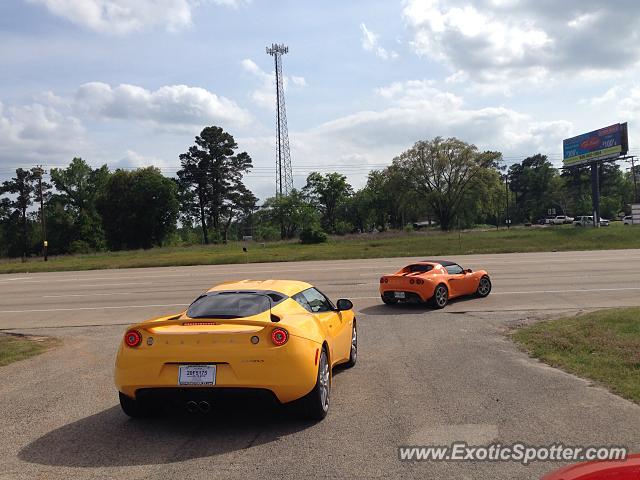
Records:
x=194, y=407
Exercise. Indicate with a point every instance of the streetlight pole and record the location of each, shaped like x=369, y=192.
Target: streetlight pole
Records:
x=506, y=191
x=39, y=171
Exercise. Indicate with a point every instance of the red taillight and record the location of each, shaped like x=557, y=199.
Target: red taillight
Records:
x=386, y=280
x=279, y=336
x=132, y=338
x=411, y=281
x=419, y=281
x=381, y=280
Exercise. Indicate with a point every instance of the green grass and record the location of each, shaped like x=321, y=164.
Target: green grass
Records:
x=19, y=347
x=603, y=346
x=431, y=244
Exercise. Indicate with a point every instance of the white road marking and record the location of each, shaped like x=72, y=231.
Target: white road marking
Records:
x=94, y=308
x=89, y=294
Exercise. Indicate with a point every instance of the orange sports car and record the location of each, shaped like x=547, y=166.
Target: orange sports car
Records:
x=433, y=281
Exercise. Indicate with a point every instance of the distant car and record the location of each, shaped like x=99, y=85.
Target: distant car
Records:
x=587, y=221
x=628, y=220
x=433, y=281
x=561, y=219
x=273, y=338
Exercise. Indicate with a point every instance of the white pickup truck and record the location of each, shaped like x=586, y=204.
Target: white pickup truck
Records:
x=560, y=220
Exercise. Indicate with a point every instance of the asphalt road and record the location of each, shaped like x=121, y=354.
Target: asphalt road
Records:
x=423, y=377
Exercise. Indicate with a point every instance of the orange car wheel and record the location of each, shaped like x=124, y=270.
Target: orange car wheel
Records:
x=484, y=287
x=440, y=296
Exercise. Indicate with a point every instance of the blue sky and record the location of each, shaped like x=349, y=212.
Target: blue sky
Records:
x=130, y=83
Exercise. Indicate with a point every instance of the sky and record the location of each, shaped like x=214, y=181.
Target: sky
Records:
x=130, y=83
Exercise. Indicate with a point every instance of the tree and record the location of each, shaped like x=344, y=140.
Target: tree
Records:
x=22, y=188
x=139, y=208
x=442, y=171
x=212, y=172
x=328, y=192
x=239, y=205
x=532, y=183
x=79, y=186
x=290, y=214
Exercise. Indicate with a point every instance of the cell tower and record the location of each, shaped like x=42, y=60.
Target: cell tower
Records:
x=284, y=177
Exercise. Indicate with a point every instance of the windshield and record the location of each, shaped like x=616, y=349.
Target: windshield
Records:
x=229, y=305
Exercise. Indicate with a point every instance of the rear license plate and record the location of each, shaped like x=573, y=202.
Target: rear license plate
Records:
x=197, y=375
x=399, y=294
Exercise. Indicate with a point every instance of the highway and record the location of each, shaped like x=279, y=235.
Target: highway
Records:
x=423, y=377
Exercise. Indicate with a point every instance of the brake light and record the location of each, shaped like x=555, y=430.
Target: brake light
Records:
x=133, y=338
x=419, y=281
x=279, y=336
x=411, y=281
x=381, y=280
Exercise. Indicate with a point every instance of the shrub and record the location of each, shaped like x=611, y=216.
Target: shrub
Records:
x=312, y=235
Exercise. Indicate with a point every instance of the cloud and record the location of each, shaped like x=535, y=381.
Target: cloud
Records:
x=371, y=44
x=265, y=94
x=126, y=16
x=167, y=107
x=494, y=41
x=37, y=133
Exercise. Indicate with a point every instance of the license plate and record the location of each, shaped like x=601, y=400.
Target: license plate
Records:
x=399, y=294
x=197, y=375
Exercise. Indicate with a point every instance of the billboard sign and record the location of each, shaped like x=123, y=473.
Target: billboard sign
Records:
x=603, y=144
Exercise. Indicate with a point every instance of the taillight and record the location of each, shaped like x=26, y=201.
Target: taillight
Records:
x=419, y=281
x=412, y=281
x=279, y=336
x=381, y=280
x=386, y=280
x=132, y=338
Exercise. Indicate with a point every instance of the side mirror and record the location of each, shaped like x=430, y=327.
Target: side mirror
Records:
x=468, y=270
x=344, y=304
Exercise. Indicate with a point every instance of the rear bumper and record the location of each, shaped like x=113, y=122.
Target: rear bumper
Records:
x=410, y=297
x=289, y=372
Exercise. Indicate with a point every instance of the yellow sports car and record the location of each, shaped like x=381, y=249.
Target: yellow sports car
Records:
x=278, y=338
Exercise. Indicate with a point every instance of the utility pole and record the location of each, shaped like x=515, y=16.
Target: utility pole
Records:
x=45, y=244
x=635, y=183
x=506, y=190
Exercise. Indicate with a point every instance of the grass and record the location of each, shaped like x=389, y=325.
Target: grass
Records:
x=603, y=346
x=18, y=347
x=432, y=244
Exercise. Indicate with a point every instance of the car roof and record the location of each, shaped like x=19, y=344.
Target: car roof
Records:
x=286, y=287
x=444, y=263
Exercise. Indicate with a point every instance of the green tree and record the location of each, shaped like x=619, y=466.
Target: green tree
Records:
x=532, y=183
x=78, y=187
x=22, y=194
x=290, y=214
x=212, y=172
x=139, y=208
x=329, y=193
x=442, y=171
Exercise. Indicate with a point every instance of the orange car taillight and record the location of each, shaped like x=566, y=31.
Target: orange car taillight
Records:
x=419, y=281
x=381, y=280
x=279, y=336
x=132, y=338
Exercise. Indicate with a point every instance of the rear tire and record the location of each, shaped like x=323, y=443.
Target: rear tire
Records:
x=484, y=287
x=315, y=404
x=440, y=297
x=388, y=301
x=132, y=407
x=353, y=354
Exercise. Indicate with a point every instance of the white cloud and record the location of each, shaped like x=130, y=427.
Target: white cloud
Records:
x=265, y=94
x=370, y=43
x=126, y=16
x=167, y=107
x=525, y=40
x=37, y=133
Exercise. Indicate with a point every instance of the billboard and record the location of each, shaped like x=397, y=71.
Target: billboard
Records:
x=605, y=143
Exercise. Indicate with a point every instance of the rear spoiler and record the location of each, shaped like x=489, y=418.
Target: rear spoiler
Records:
x=267, y=319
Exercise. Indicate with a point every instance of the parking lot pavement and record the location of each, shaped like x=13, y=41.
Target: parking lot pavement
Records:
x=423, y=377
